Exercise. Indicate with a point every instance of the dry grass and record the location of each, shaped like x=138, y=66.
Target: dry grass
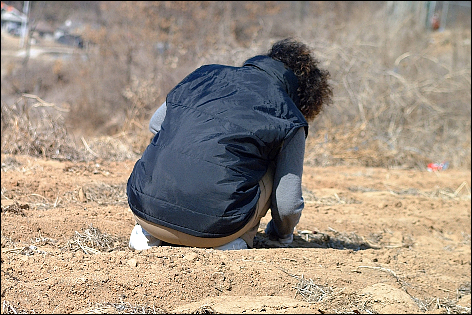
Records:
x=312, y=292
x=401, y=100
x=16, y=208
x=34, y=127
x=403, y=105
x=401, y=92
x=104, y=194
x=121, y=308
x=93, y=241
x=8, y=308
x=99, y=308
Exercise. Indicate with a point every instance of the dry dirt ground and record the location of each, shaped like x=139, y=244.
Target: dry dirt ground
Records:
x=370, y=240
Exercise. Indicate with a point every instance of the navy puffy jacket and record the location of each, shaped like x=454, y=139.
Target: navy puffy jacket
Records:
x=223, y=127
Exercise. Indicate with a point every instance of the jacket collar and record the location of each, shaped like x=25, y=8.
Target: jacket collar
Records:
x=277, y=70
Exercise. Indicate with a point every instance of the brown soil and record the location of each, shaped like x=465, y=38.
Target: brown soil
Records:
x=370, y=240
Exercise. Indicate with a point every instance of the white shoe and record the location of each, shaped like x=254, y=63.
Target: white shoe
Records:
x=140, y=239
x=238, y=243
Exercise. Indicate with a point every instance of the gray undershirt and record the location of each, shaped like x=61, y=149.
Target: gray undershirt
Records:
x=287, y=199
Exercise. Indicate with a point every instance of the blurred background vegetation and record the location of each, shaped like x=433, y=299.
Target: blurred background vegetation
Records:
x=402, y=82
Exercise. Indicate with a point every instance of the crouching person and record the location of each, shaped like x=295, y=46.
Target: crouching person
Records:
x=229, y=144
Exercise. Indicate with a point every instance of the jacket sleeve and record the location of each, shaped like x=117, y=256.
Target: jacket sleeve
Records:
x=157, y=119
x=287, y=199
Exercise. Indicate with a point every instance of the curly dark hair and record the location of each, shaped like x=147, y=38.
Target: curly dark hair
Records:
x=313, y=88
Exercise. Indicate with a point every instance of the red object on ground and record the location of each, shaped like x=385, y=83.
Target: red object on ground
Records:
x=434, y=167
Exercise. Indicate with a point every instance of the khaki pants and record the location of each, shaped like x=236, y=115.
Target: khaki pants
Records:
x=247, y=233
